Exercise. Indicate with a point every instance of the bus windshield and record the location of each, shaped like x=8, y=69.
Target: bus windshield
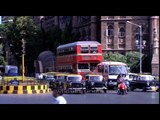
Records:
x=115, y=70
x=61, y=78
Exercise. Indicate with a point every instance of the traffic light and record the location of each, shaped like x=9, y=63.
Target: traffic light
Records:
x=23, y=50
x=23, y=47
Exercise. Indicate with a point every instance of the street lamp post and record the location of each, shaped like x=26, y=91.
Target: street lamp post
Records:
x=140, y=44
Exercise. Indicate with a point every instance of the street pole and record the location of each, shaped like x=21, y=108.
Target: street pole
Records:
x=140, y=45
x=140, y=49
x=23, y=77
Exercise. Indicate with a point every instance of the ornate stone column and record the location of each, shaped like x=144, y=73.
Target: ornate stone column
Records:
x=155, y=44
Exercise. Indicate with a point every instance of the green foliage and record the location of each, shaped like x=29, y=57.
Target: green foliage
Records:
x=23, y=27
x=2, y=61
x=1, y=49
x=115, y=57
x=131, y=59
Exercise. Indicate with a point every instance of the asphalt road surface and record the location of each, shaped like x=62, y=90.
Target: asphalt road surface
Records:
x=89, y=98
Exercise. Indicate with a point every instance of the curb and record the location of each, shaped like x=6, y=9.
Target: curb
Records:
x=21, y=89
x=24, y=91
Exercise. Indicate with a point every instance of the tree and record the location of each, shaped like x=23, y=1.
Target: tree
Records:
x=133, y=60
x=23, y=27
x=2, y=61
x=115, y=57
x=4, y=30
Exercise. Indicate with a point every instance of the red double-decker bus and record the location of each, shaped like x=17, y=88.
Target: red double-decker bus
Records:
x=78, y=57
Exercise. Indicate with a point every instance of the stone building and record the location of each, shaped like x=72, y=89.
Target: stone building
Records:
x=88, y=26
x=115, y=34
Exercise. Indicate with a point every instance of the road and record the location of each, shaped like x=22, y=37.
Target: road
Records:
x=89, y=98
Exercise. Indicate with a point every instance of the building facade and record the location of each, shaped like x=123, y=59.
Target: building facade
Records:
x=88, y=26
x=114, y=33
x=117, y=35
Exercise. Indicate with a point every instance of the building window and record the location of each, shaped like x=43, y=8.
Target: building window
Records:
x=121, y=32
x=110, y=31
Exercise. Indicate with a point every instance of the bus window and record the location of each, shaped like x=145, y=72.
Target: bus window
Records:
x=84, y=49
x=83, y=66
x=93, y=50
x=113, y=69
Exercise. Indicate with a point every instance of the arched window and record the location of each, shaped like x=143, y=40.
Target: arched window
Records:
x=110, y=30
x=121, y=32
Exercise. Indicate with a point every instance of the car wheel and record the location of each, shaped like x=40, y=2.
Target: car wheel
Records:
x=105, y=91
x=109, y=88
x=132, y=88
x=144, y=89
x=83, y=91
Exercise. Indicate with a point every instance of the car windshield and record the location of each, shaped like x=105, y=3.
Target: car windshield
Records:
x=75, y=79
x=147, y=78
x=13, y=70
x=50, y=77
x=61, y=78
x=115, y=70
x=96, y=78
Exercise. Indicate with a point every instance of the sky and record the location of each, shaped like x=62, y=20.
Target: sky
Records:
x=0, y=19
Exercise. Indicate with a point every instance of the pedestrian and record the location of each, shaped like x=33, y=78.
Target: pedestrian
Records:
x=119, y=79
x=58, y=98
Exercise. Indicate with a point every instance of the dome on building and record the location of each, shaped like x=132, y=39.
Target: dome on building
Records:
x=46, y=61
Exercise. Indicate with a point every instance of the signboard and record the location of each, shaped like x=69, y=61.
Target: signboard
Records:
x=14, y=82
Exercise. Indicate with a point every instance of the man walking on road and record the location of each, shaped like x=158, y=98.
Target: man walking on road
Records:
x=58, y=98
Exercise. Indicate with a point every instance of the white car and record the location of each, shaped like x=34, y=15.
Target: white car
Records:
x=50, y=78
x=131, y=76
